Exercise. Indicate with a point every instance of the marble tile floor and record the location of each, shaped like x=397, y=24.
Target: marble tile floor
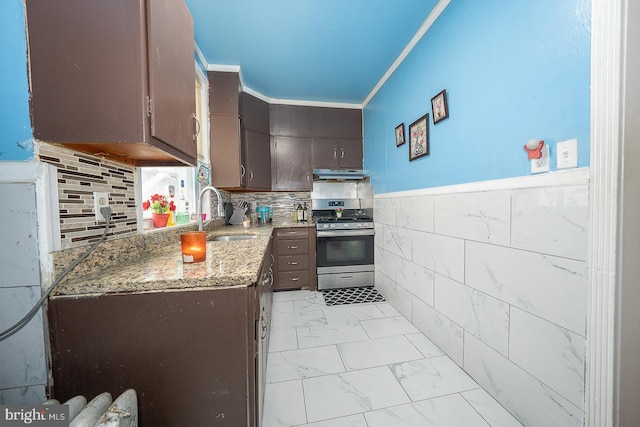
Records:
x=364, y=365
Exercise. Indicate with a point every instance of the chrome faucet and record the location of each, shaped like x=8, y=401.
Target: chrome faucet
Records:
x=199, y=207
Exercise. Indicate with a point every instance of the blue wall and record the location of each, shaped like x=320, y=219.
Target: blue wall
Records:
x=513, y=69
x=16, y=136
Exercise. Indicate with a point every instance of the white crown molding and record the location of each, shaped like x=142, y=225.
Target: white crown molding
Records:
x=200, y=55
x=428, y=22
x=300, y=102
x=316, y=103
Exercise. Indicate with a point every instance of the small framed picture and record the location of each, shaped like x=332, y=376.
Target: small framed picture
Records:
x=439, y=107
x=400, y=135
x=419, y=138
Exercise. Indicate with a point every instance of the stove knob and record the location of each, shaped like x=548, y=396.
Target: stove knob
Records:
x=346, y=225
x=325, y=226
x=333, y=226
x=359, y=225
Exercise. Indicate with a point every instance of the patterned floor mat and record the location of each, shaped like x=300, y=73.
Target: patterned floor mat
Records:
x=351, y=295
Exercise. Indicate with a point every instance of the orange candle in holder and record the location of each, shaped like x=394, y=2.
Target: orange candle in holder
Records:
x=194, y=246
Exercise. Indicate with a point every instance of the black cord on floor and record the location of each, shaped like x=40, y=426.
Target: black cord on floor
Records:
x=106, y=212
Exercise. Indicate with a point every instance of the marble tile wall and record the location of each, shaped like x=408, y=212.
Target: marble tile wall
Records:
x=498, y=280
x=23, y=367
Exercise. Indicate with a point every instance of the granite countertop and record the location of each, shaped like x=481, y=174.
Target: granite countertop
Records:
x=228, y=264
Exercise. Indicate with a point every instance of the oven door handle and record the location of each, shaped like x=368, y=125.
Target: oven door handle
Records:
x=345, y=233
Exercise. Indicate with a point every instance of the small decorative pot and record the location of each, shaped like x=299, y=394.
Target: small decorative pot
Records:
x=339, y=214
x=160, y=220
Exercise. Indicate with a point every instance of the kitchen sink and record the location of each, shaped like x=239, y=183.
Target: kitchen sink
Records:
x=232, y=237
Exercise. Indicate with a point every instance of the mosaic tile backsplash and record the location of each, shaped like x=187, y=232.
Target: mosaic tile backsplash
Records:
x=79, y=175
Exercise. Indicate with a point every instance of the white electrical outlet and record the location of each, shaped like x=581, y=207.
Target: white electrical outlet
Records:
x=567, y=156
x=542, y=164
x=100, y=200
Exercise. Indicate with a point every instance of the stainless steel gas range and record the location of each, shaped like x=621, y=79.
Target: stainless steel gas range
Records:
x=345, y=244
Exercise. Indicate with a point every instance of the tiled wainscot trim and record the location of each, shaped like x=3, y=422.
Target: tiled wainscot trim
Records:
x=495, y=274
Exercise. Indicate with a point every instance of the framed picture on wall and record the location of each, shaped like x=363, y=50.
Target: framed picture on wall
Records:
x=419, y=138
x=439, y=107
x=400, y=135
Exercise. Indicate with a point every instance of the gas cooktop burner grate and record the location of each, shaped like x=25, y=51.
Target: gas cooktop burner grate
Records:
x=351, y=295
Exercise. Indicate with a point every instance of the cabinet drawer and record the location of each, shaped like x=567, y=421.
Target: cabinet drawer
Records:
x=292, y=247
x=293, y=262
x=293, y=279
x=292, y=233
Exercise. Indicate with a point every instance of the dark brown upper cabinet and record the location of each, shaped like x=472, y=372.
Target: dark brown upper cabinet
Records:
x=335, y=135
x=332, y=153
x=315, y=122
x=291, y=160
x=240, y=145
x=114, y=78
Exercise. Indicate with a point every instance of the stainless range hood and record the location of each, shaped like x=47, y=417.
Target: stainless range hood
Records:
x=338, y=174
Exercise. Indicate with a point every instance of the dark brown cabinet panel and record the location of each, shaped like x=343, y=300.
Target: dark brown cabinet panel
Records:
x=254, y=113
x=264, y=290
x=325, y=122
x=291, y=164
x=189, y=355
x=240, y=143
x=115, y=78
x=332, y=153
x=226, y=151
x=256, y=160
x=224, y=92
x=295, y=258
x=337, y=123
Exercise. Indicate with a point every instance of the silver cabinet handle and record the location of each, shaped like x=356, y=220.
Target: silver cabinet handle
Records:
x=197, y=126
x=243, y=171
x=294, y=279
x=292, y=262
x=250, y=175
x=335, y=153
x=292, y=247
x=342, y=153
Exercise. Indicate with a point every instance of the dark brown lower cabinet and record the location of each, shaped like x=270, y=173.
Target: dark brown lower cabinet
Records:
x=194, y=357
x=295, y=252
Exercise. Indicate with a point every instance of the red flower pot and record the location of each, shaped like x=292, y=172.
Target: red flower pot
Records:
x=160, y=219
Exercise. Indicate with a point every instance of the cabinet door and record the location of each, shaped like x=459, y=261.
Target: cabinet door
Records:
x=350, y=154
x=331, y=153
x=325, y=153
x=172, y=74
x=254, y=113
x=92, y=78
x=257, y=160
x=292, y=164
x=224, y=92
x=225, y=151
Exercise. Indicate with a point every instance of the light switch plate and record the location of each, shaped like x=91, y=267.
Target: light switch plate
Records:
x=567, y=154
x=100, y=200
x=542, y=164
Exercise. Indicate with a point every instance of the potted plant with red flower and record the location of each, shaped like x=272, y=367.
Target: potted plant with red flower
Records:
x=160, y=207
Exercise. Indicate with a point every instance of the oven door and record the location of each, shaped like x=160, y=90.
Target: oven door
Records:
x=345, y=258
x=345, y=251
